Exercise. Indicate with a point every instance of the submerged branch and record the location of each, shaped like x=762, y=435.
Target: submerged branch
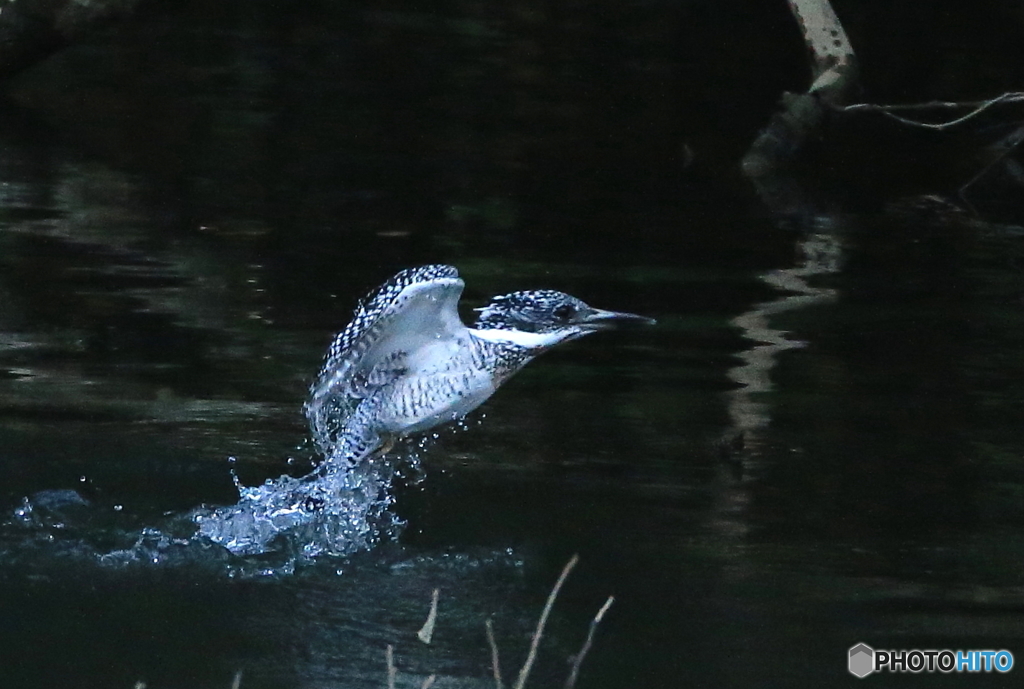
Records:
x=801, y=116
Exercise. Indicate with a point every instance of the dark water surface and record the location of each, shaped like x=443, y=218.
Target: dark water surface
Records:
x=819, y=445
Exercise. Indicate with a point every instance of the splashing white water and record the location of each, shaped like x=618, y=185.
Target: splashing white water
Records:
x=341, y=507
x=338, y=509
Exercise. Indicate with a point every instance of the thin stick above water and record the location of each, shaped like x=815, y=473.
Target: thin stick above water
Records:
x=392, y=670
x=524, y=673
x=427, y=631
x=578, y=660
x=495, y=660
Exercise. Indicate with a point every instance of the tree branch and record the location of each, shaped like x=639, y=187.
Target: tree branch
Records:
x=978, y=108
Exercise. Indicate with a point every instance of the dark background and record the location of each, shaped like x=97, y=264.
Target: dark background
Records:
x=191, y=201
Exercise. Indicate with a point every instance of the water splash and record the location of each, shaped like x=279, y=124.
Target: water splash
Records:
x=275, y=527
x=338, y=509
x=341, y=507
x=51, y=527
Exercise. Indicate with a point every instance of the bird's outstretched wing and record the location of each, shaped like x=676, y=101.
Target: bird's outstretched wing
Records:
x=415, y=309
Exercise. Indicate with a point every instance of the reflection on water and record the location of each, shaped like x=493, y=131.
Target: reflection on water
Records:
x=749, y=413
x=182, y=227
x=822, y=255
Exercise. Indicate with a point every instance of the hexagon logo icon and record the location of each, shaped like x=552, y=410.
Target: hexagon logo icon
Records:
x=862, y=660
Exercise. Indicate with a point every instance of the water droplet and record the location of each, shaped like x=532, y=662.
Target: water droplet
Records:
x=82, y=479
x=24, y=512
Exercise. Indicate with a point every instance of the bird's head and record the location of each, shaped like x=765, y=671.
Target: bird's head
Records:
x=556, y=316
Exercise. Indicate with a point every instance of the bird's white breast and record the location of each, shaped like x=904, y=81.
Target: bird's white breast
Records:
x=520, y=337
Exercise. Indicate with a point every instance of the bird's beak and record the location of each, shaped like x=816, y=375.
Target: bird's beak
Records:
x=598, y=319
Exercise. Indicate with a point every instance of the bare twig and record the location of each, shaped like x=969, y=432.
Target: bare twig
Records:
x=427, y=631
x=1001, y=149
x=392, y=670
x=578, y=660
x=1012, y=97
x=978, y=108
x=428, y=682
x=237, y=681
x=495, y=661
x=524, y=673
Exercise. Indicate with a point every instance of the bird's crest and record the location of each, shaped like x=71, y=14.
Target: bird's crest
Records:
x=530, y=311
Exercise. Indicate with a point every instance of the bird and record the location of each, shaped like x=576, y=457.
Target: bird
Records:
x=407, y=363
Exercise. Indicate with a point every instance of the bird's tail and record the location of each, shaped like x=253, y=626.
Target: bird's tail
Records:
x=342, y=435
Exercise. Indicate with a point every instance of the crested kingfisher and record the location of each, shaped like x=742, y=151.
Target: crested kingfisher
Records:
x=407, y=363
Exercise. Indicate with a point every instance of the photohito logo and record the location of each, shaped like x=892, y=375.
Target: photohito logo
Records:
x=863, y=660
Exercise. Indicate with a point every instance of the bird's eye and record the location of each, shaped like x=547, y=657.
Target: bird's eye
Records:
x=564, y=312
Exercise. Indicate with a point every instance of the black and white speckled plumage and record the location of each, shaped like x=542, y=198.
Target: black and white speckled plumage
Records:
x=371, y=310
x=533, y=311
x=372, y=351
x=407, y=363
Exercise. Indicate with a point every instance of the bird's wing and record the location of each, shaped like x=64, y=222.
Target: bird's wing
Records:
x=414, y=310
